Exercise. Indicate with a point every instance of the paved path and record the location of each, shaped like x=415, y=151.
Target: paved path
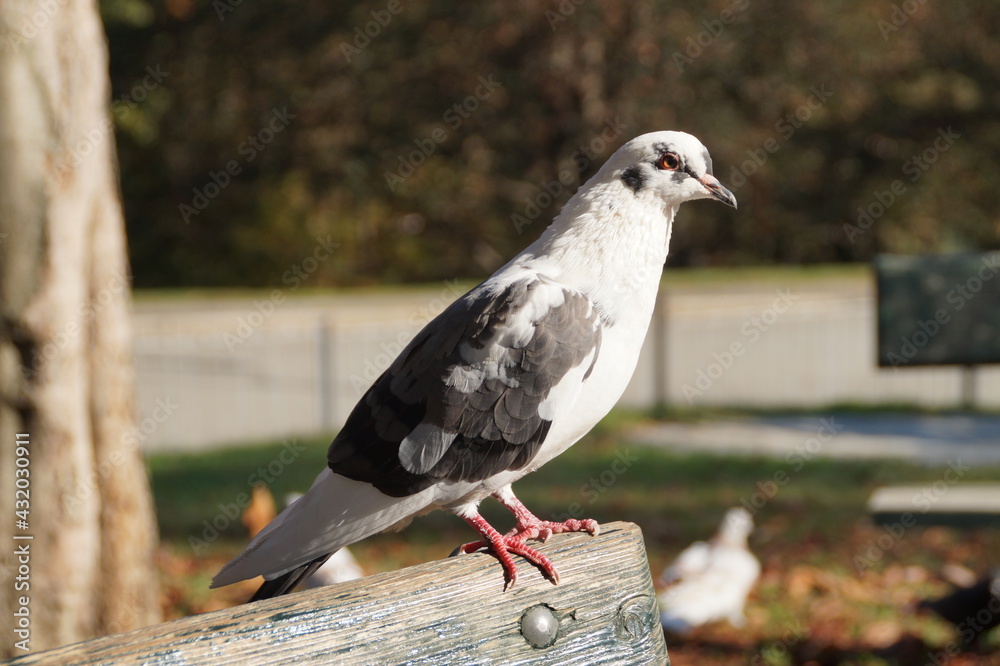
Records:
x=971, y=439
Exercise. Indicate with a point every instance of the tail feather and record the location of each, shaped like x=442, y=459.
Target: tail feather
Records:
x=287, y=582
x=336, y=512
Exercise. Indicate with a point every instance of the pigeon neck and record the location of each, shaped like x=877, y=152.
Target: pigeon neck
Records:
x=611, y=244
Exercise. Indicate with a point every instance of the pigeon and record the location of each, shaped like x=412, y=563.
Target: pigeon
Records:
x=507, y=377
x=711, y=580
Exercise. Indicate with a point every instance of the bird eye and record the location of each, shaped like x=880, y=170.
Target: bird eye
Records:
x=668, y=161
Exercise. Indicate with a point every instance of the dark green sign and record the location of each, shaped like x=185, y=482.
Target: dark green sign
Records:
x=938, y=310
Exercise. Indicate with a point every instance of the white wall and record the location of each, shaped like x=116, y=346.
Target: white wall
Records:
x=229, y=371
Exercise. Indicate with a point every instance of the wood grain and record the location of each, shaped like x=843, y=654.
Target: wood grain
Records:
x=451, y=611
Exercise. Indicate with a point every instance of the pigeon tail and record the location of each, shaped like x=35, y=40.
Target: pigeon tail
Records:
x=336, y=512
x=285, y=583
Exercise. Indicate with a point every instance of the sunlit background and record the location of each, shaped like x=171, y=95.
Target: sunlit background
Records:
x=808, y=110
x=305, y=184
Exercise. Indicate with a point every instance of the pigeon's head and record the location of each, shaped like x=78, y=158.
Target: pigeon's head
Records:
x=673, y=166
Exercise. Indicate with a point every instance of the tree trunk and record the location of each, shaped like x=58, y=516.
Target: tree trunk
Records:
x=85, y=559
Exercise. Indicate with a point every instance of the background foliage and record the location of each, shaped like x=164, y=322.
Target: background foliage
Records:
x=733, y=72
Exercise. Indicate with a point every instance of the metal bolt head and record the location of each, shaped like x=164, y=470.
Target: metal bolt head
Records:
x=539, y=626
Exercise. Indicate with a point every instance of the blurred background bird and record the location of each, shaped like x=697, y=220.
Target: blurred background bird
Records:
x=260, y=511
x=710, y=581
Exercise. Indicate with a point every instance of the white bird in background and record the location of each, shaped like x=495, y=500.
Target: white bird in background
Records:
x=505, y=379
x=711, y=581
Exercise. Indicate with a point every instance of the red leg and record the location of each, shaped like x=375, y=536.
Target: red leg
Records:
x=530, y=526
x=502, y=546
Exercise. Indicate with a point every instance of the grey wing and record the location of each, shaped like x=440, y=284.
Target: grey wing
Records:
x=466, y=399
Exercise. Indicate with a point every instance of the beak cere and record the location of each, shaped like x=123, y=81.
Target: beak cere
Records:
x=716, y=189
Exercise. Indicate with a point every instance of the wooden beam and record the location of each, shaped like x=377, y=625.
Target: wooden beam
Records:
x=451, y=611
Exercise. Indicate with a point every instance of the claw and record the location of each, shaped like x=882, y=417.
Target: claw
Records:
x=528, y=526
x=502, y=545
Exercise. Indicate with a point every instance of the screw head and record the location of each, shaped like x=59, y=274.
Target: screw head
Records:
x=539, y=626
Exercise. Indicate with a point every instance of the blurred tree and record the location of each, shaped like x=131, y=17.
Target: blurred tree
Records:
x=66, y=376
x=811, y=112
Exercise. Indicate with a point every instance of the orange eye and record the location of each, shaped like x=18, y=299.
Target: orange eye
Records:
x=668, y=161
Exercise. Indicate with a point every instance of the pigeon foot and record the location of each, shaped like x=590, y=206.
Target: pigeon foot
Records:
x=530, y=526
x=502, y=545
x=543, y=529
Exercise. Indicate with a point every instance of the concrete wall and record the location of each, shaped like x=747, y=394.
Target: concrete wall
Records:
x=234, y=370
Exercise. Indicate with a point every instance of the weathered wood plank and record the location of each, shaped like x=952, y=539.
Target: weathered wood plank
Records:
x=451, y=611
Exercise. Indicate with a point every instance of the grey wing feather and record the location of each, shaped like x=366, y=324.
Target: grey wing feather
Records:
x=462, y=400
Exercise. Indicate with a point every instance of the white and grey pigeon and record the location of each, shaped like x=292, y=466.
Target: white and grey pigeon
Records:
x=505, y=379
x=711, y=580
